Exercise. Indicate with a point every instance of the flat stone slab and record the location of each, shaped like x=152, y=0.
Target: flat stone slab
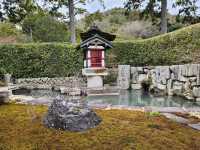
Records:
x=193, y=109
x=165, y=109
x=4, y=89
x=176, y=118
x=195, y=126
x=22, y=99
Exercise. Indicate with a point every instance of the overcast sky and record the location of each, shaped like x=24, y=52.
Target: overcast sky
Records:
x=94, y=6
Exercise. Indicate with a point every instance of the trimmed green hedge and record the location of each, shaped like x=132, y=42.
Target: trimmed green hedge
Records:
x=181, y=46
x=40, y=60
x=58, y=59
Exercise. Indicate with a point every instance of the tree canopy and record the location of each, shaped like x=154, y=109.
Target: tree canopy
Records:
x=158, y=9
x=45, y=28
x=16, y=10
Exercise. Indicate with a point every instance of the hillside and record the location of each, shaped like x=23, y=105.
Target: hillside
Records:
x=178, y=47
x=129, y=26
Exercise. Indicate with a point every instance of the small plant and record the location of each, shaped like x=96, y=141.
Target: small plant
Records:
x=153, y=114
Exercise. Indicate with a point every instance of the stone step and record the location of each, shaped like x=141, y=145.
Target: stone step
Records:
x=195, y=126
x=176, y=118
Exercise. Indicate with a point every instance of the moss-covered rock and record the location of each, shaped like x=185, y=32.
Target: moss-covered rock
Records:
x=71, y=116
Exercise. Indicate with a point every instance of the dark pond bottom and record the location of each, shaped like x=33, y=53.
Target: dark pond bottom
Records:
x=126, y=98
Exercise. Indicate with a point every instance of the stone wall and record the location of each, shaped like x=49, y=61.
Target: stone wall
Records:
x=49, y=83
x=181, y=80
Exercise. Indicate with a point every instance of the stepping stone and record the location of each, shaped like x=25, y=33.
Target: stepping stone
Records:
x=167, y=109
x=195, y=126
x=176, y=118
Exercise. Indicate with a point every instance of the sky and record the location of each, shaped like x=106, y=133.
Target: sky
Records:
x=95, y=6
x=109, y=4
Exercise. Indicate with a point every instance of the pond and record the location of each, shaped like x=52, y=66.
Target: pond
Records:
x=125, y=98
x=139, y=98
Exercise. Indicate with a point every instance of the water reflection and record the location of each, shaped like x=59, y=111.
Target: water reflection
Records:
x=139, y=98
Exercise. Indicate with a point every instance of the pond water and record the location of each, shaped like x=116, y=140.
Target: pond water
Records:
x=125, y=98
x=139, y=98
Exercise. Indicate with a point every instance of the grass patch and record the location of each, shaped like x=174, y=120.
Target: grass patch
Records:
x=21, y=129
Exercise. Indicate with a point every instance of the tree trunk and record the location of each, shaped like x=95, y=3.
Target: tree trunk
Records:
x=72, y=22
x=163, y=16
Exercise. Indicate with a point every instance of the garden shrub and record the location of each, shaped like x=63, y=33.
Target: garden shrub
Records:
x=40, y=60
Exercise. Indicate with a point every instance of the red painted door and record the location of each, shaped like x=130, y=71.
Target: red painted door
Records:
x=96, y=58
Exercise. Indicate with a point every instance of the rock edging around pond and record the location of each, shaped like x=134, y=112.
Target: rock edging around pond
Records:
x=180, y=80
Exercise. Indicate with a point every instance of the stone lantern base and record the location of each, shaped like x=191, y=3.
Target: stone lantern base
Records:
x=95, y=77
x=95, y=82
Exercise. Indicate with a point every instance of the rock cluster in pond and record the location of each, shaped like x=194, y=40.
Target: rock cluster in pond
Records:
x=181, y=80
x=72, y=115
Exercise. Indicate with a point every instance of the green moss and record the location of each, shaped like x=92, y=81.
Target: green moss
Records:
x=153, y=114
x=21, y=128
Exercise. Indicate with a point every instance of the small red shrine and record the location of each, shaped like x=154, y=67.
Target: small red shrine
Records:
x=94, y=44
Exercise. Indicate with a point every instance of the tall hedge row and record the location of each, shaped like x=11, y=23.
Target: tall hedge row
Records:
x=40, y=60
x=57, y=59
x=181, y=46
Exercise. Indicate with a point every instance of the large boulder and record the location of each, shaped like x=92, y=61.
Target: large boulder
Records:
x=162, y=74
x=196, y=92
x=124, y=72
x=134, y=72
x=70, y=115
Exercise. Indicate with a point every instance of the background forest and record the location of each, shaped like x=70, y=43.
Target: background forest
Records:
x=63, y=20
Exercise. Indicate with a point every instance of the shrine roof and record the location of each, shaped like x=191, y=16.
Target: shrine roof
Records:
x=96, y=38
x=94, y=30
